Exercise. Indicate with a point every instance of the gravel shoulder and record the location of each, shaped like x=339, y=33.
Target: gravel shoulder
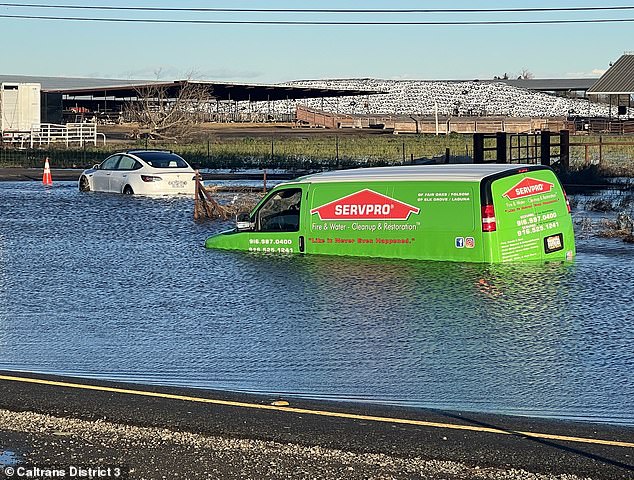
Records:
x=152, y=453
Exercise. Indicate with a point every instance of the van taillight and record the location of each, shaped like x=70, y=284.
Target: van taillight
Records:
x=488, y=219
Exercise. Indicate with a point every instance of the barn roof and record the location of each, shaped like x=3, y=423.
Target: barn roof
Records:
x=618, y=80
x=104, y=87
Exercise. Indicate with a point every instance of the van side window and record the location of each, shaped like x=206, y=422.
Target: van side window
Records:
x=280, y=213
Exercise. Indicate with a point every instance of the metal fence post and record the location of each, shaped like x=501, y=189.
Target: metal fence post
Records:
x=564, y=149
x=545, y=148
x=500, y=147
x=478, y=148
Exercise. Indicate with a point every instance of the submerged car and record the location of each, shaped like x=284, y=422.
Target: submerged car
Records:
x=142, y=172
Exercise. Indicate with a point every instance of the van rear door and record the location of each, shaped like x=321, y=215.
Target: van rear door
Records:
x=530, y=215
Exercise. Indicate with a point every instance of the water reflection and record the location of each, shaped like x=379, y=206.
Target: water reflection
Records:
x=121, y=288
x=8, y=458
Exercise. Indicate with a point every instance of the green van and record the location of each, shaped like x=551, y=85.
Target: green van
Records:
x=466, y=213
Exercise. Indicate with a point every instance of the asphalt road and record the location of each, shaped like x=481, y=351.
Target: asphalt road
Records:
x=167, y=432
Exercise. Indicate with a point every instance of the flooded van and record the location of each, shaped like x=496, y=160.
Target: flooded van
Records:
x=466, y=213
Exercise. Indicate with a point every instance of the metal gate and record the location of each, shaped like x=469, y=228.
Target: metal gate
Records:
x=545, y=148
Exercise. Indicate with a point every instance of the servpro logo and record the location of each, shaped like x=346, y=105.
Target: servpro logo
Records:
x=527, y=187
x=365, y=205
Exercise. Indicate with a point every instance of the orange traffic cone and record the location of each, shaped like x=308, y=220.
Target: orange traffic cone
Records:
x=47, y=179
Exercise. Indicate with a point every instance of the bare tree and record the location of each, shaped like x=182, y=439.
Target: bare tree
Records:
x=170, y=111
x=526, y=74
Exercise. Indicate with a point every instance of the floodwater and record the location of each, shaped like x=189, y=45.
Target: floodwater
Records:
x=7, y=458
x=120, y=287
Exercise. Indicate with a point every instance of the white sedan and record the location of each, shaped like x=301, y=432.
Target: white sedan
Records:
x=143, y=172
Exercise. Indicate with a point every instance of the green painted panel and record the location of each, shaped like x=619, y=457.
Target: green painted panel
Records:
x=530, y=208
x=423, y=220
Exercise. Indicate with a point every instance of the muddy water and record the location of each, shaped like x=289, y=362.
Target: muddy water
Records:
x=121, y=288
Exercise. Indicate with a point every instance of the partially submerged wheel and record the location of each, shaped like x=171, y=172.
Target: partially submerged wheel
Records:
x=84, y=184
x=128, y=190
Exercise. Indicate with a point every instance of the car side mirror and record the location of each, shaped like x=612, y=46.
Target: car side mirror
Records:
x=95, y=166
x=243, y=222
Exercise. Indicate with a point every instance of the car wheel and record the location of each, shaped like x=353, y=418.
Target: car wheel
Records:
x=127, y=190
x=84, y=184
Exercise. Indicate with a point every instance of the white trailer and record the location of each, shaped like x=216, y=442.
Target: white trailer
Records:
x=19, y=106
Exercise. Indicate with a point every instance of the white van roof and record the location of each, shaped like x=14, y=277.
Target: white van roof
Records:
x=455, y=172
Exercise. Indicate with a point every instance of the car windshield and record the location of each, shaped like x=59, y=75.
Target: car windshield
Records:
x=162, y=159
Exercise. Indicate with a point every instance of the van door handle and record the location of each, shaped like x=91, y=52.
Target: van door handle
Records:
x=301, y=243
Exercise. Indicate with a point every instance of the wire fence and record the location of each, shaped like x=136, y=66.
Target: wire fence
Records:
x=297, y=152
x=60, y=158
x=260, y=152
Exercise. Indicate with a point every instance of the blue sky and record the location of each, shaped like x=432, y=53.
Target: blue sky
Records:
x=271, y=54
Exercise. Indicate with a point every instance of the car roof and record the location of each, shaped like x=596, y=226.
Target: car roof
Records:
x=455, y=172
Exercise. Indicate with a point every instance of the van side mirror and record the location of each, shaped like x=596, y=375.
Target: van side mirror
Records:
x=243, y=222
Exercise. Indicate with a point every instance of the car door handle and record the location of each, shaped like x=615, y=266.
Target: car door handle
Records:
x=301, y=243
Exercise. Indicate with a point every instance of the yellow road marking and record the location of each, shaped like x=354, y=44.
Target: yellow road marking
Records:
x=323, y=413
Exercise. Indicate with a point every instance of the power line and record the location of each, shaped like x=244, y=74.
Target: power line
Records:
x=324, y=10
x=323, y=23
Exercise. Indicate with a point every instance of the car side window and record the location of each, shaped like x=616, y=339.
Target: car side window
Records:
x=110, y=163
x=126, y=163
x=281, y=212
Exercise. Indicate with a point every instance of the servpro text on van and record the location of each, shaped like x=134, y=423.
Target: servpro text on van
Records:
x=467, y=213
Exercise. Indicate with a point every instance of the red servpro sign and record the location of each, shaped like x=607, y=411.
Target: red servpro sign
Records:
x=527, y=187
x=365, y=205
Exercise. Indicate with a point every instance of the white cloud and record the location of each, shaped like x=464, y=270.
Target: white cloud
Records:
x=594, y=73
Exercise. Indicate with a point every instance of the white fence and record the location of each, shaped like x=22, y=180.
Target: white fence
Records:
x=47, y=133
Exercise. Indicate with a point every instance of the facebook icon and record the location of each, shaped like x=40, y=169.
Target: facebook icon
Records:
x=459, y=242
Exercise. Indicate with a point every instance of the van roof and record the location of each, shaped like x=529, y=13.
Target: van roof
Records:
x=455, y=172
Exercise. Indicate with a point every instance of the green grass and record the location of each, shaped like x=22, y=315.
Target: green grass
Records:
x=327, y=150
x=614, y=158
x=306, y=151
